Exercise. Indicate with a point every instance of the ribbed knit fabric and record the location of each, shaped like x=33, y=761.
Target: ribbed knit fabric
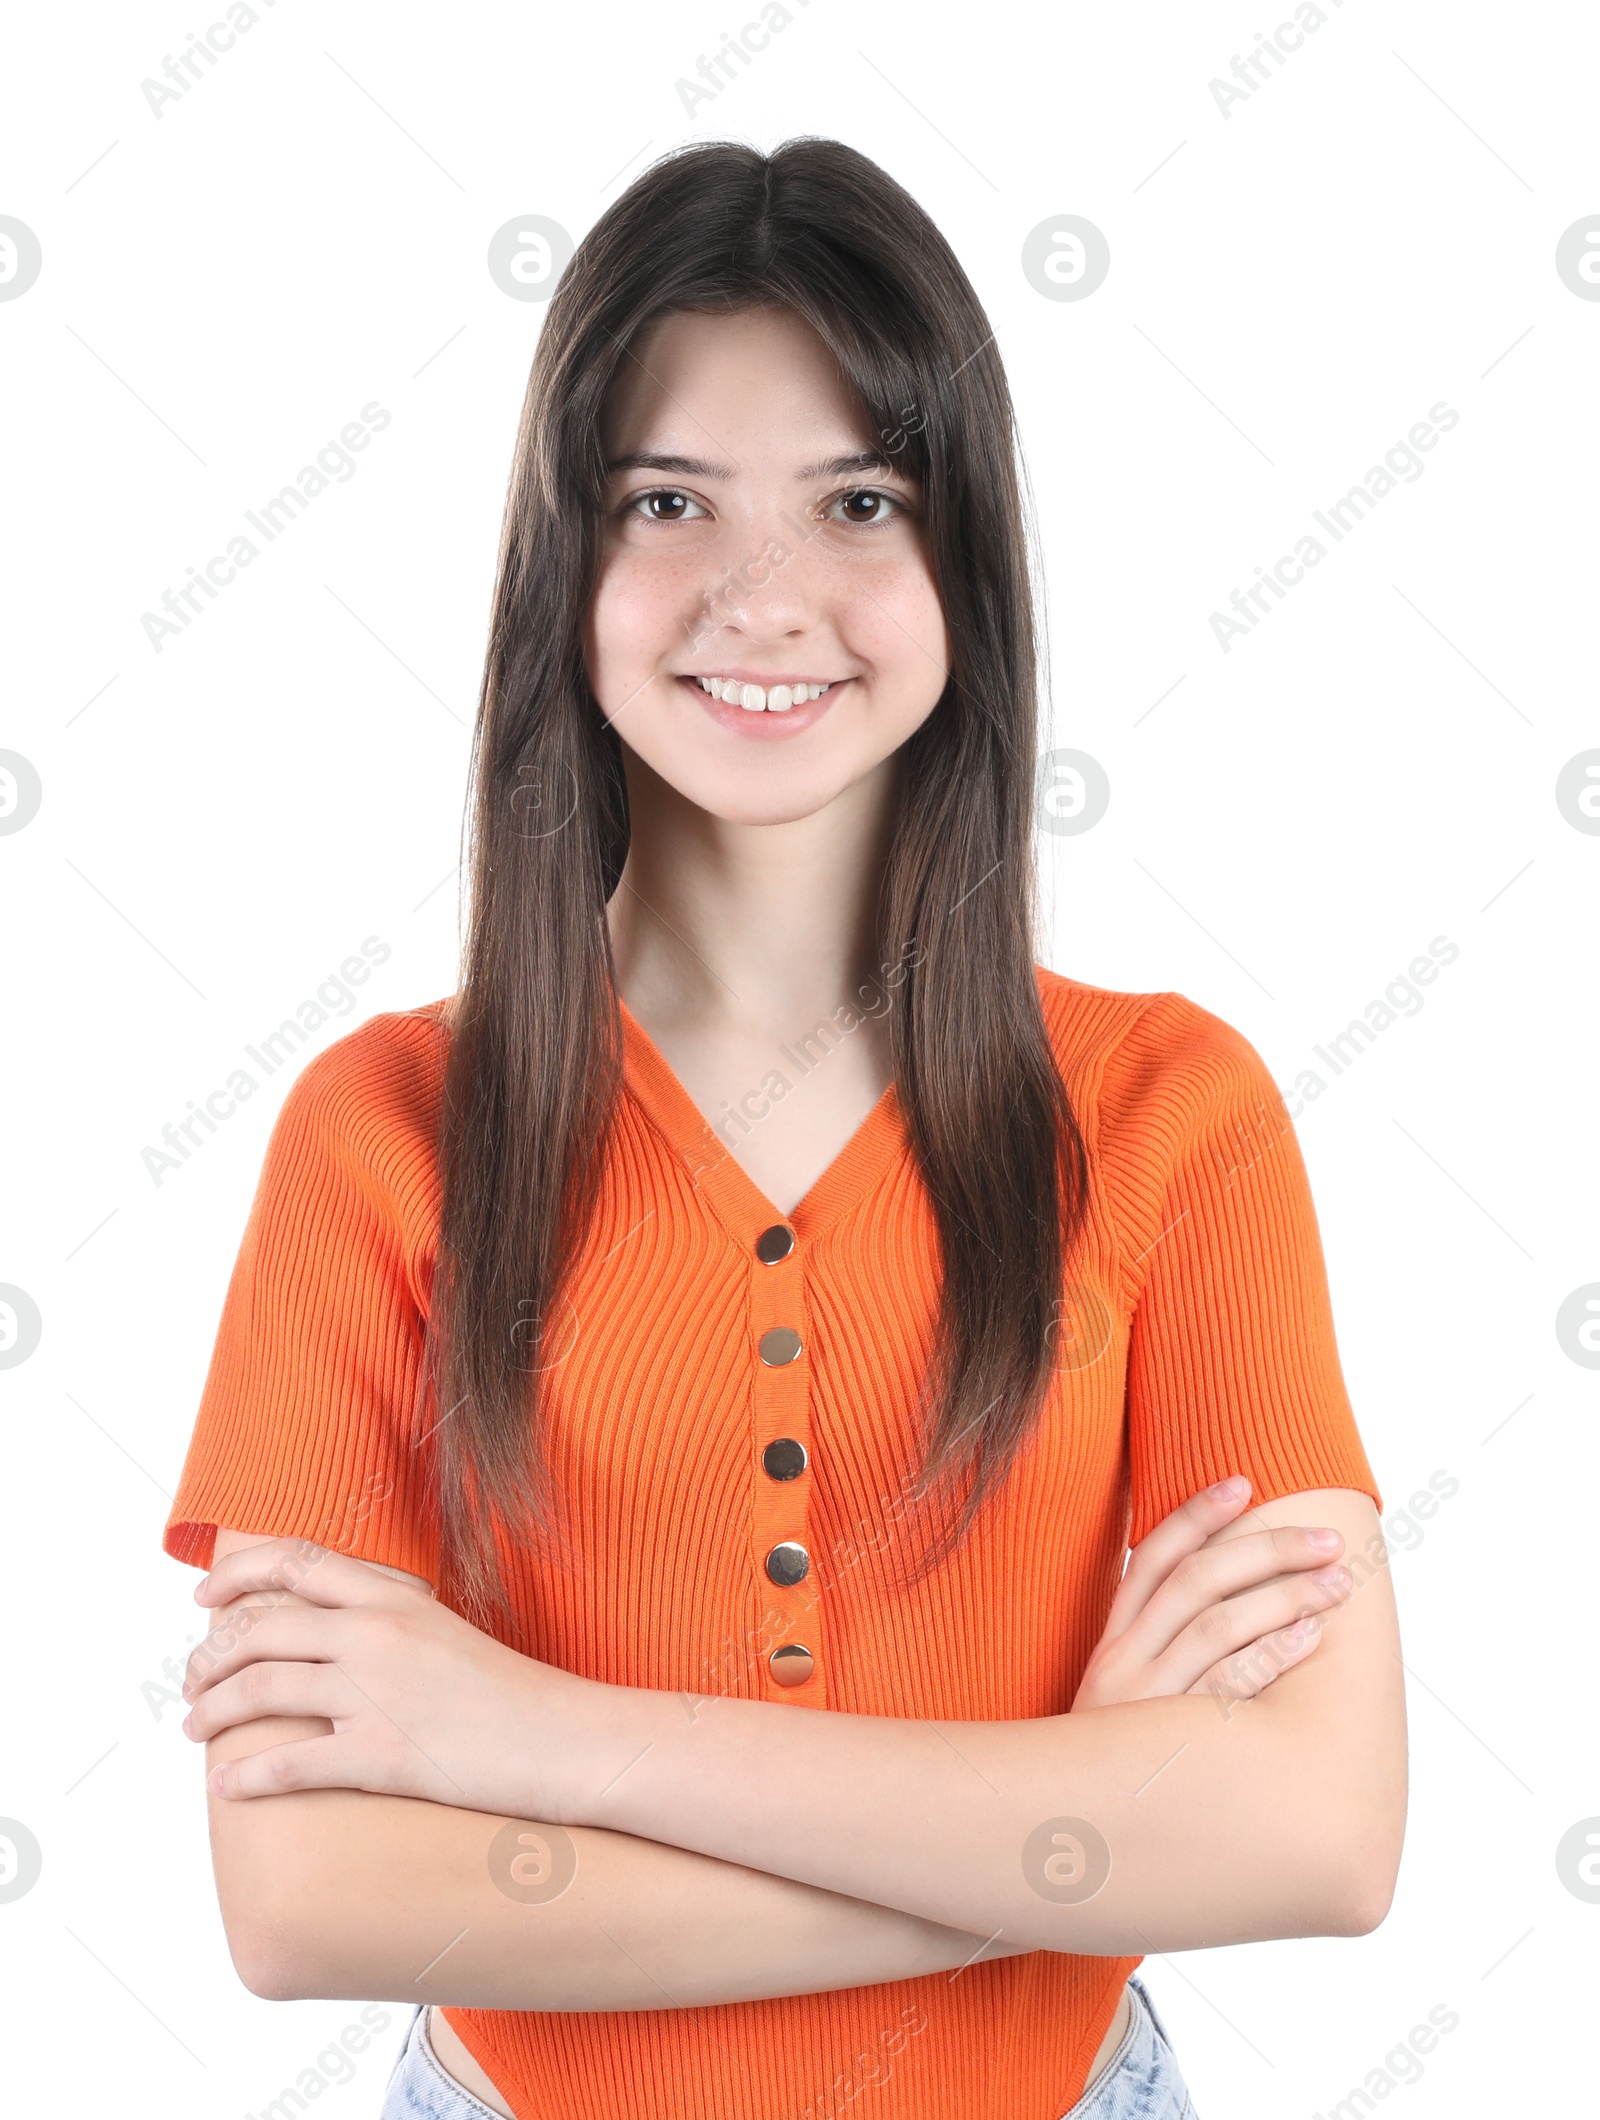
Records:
x=1197, y=1341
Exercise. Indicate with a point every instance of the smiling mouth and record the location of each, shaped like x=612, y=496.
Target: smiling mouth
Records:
x=763, y=699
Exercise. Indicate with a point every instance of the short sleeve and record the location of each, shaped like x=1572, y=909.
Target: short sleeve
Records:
x=1233, y=1366
x=310, y=1419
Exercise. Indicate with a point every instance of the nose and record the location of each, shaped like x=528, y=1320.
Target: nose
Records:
x=768, y=595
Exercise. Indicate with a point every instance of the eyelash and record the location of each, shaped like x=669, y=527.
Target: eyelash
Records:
x=634, y=505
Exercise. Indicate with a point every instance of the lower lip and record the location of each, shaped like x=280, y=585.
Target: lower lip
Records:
x=765, y=726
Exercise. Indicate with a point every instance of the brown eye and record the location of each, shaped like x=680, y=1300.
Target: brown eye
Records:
x=868, y=506
x=666, y=505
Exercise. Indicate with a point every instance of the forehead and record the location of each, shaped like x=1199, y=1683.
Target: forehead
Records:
x=754, y=386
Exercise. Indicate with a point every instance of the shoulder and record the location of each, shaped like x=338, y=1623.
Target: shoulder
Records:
x=1139, y=1041
x=1174, y=1101
x=370, y=1102
x=1150, y=1074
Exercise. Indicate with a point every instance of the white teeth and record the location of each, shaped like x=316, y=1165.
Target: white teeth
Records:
x=756, y=698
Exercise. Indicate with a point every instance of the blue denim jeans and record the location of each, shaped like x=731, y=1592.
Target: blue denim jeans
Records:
x=421, y=2088
x=1141, y=2081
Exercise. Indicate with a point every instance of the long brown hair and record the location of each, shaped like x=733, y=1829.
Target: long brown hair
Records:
x=534, y=1062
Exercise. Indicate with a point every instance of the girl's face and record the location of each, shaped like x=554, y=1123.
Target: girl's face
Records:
x=759, y=539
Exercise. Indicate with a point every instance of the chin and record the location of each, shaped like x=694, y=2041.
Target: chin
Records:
x=744, y=802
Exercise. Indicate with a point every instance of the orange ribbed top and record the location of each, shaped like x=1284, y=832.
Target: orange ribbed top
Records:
x=1198, y=1342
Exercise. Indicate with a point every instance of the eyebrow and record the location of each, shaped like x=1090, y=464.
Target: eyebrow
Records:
x=701, y=467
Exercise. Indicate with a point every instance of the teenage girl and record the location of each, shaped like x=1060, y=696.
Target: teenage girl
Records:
x=684, y=1403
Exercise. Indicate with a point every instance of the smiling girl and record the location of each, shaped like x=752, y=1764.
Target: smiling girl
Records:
x=684, y=1403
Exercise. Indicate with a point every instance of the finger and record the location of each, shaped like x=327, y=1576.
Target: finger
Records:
x=313, y=1572
x=307, y=1763
x=301, y=1634
x=1181, y=1532
x=268, y=1689
x=1233, y=1625
x=1251, y=1670
x=1207, y=1577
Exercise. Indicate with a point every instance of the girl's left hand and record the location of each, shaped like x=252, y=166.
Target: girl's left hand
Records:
x=1200, y=1612
x=421, y=1702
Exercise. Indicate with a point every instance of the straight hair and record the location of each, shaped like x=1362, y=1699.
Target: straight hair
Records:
x=534, y=1063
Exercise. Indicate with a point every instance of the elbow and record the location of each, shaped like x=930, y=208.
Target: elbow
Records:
x=269, y=1957
x=265, y=1968
x=273, y=1863
x=1362, y=1906
x=1362, y=1889
x=1352, y=1813
x=1367, y=1894
x=268, y=1904
x=283, y=1964
x=283, y=1946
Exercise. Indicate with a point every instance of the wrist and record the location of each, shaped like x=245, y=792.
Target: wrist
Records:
x=594, y=1737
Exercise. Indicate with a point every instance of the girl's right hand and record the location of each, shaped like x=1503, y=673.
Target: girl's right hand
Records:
x=1225, y=1619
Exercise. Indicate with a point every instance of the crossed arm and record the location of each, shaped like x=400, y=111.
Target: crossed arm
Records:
x=754, y=1849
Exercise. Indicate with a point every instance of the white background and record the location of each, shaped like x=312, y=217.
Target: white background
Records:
x=1292, y=287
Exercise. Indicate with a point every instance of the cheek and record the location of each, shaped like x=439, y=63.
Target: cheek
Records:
x=898, y=622
x=636, y=616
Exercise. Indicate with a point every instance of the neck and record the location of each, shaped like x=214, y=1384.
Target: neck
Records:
x=751, y=927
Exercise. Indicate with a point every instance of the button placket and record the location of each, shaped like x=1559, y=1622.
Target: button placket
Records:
x=789, y=1660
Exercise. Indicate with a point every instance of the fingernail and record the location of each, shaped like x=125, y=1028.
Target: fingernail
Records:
x=1324, y=1541
x=1226, y=1490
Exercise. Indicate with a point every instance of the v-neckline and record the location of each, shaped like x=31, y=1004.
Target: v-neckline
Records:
x=739, y=1201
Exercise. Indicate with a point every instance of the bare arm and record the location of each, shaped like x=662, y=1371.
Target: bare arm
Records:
x=1225, y=1820
x=1206, y=1824
x=336, y=1892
